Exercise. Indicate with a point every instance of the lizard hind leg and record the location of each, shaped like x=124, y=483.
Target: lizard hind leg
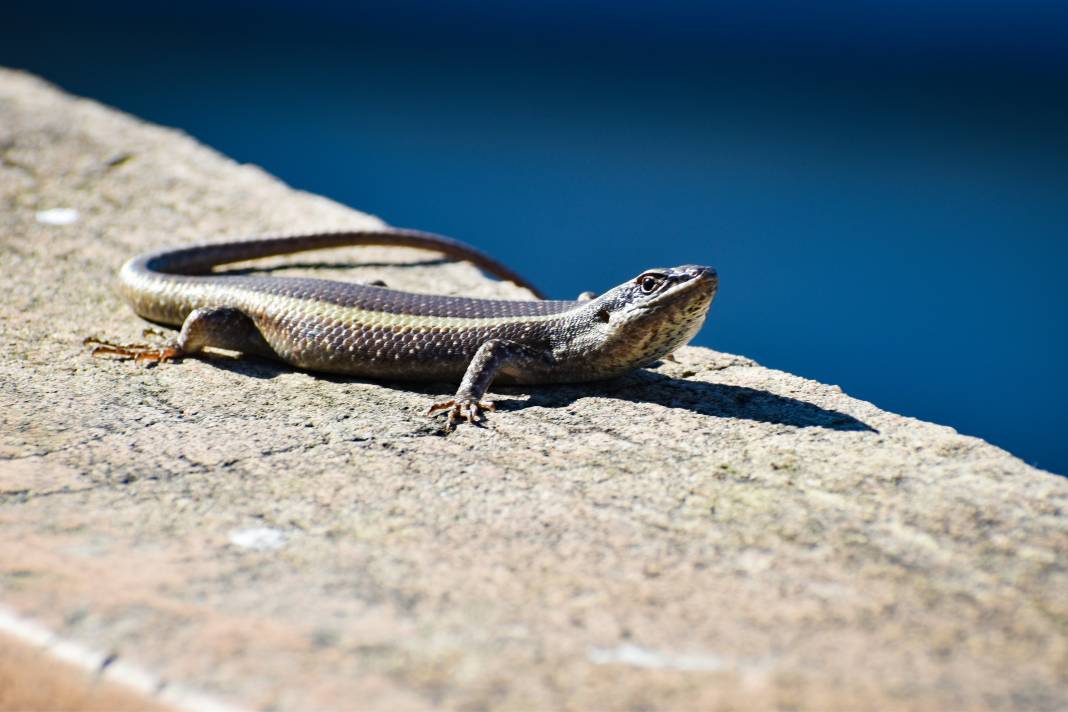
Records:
x=215, y=327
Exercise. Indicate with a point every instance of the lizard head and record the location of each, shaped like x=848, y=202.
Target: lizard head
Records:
x=655, y=313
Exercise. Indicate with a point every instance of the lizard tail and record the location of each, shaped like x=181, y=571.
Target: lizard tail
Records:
x=200, y=259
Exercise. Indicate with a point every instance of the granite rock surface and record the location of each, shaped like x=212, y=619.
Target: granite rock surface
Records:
x=705, y=534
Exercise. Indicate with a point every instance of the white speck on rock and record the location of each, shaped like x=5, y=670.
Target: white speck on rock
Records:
x=258, y=538
x=655, y=659
x=58, y=216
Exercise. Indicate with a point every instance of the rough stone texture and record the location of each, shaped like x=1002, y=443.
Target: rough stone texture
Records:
x=709, y=533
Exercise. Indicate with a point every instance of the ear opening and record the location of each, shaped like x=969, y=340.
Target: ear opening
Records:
x=603, y=315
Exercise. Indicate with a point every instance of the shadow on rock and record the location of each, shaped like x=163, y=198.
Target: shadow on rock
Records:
x=715, y=399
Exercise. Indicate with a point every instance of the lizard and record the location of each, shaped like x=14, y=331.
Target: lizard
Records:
x=371, y=331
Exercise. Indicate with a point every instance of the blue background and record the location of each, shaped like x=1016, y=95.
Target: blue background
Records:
x=881, y=185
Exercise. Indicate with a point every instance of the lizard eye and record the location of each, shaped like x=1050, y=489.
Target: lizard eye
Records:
x=649, y=283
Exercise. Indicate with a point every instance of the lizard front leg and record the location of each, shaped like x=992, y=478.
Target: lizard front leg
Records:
x=493, y=356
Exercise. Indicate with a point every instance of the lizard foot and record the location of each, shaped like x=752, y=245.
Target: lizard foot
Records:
x=140, y=353
x=462, y=409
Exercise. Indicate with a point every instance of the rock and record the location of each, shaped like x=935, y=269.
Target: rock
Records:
x=705, y=534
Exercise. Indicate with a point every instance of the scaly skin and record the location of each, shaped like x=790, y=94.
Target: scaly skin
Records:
x=376, y=332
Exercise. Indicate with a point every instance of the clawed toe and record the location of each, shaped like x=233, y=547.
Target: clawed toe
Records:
x=463, y=409
x=140, y=353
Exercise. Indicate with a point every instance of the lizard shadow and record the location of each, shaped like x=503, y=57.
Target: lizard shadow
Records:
x=712, y=399
x=718, y=400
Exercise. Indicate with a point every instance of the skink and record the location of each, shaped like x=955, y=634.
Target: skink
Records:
x=380, y=333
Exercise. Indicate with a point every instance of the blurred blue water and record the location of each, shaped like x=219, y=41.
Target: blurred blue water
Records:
x=895, y=228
